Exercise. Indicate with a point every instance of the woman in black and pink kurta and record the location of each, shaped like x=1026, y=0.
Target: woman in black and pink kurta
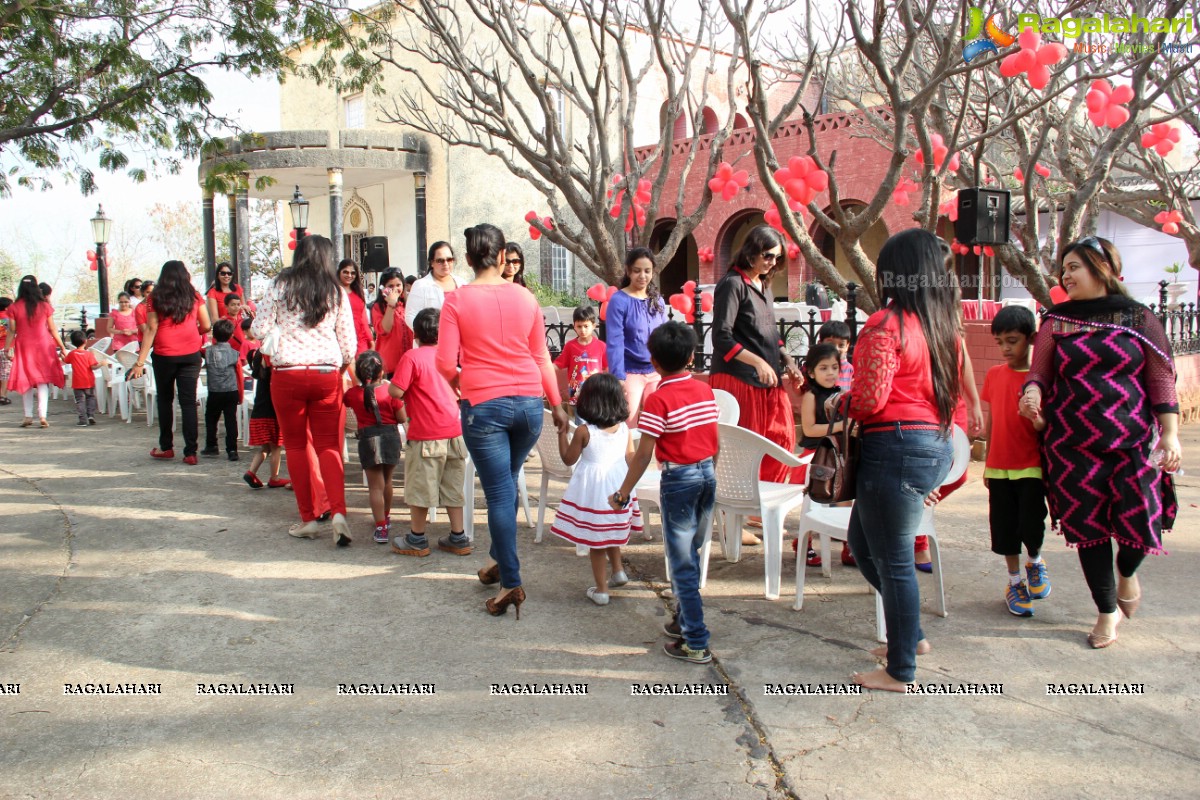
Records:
x=1103, y=364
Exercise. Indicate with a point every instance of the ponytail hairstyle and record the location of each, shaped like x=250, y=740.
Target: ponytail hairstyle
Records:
x=911, y=275
x=369, y=369
x=485, y=244
x=654, y=303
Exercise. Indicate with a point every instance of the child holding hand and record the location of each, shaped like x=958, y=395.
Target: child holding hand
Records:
x=600, y=449
x=377, y=415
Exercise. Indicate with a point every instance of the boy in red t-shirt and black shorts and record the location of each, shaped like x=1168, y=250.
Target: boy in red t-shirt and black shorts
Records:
x=679, y=427
x=1013, y=471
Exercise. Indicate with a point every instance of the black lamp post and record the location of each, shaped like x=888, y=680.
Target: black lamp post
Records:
x=101, y=228
x=299, y=208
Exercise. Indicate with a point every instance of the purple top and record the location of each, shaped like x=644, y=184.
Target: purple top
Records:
x=627, y=329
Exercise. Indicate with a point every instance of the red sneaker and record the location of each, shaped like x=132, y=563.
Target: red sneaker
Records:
x=191, y=460
x=156, y=453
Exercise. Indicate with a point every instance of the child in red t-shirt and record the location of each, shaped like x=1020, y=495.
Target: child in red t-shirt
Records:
x=583, y=356
x=435, y=456
x=679, y=428
x=378, y=416
x=83, y=381
x=1013, y=471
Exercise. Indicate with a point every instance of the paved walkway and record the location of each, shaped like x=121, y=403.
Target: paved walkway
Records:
x=116, y=570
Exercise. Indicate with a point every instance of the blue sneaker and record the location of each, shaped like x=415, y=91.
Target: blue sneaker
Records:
x=1039, y=581
x=1018, y=601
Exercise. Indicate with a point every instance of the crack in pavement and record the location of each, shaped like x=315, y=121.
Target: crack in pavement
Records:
x=68, y=544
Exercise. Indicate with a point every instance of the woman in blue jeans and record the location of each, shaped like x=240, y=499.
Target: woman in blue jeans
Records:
x=906, y=387
x=492, y=349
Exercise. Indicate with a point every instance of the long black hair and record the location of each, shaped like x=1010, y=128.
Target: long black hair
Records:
x=384, y=277
x=356, y=287
x=369, y=369
x=174, y=296
x=233, y=284
x=760, y=239
x=654, y=302
x=485, y=243
x=29, y=291
x=308, y=285
x=513, y=247
x=912, y=274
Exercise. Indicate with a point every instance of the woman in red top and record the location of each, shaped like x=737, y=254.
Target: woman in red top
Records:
x=351, y=280
x=393, y=336
x=906, y=387
x=215, y=296
x=176, y=321
x=32, y=345
x=124, y=323
x=142, y=309
x=496, y=331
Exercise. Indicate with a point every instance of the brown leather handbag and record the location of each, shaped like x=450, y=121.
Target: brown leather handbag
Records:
x=835, y=462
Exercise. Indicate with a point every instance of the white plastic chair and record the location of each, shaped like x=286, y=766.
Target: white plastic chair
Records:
x=831, y=522
x=552, y=467
x=741, y=494
x=728, y=410
x=121, y=386
x=469, y=497
x=102, y=372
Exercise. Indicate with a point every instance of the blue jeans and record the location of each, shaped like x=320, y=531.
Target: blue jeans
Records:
x=499, y=435
x=688, y=493
x=897, y=470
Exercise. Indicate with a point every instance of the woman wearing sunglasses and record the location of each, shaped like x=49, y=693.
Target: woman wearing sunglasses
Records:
x=1104, y=374
x=351, y=280
x=215, y=296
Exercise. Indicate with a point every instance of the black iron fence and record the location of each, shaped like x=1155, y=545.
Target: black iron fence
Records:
x=1181, y=322
x=797, y=335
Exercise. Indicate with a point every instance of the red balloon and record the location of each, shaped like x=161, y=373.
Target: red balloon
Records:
x=706, y=302
x=1058, y=295
x=596, y=292
x=604, y=310
x=689, y=287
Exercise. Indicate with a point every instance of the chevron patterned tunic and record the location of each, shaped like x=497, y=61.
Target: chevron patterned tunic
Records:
x=1105, y=369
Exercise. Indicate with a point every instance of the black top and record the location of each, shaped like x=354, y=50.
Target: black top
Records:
x=263, y=408
x=821, y=394
x=744, y=319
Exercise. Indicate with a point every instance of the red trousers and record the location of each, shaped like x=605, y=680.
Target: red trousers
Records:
x=308, y=405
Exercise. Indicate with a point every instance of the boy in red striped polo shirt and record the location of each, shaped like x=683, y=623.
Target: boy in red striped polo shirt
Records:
x=679, y=428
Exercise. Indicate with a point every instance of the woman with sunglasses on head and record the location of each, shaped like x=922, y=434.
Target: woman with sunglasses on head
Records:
x=514, y=264
x=431, y=290
x=1104, y=379
x=351, y=280
x=749, y=360
x=215, y=296
x=393, y=337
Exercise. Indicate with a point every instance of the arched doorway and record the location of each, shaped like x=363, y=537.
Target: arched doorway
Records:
x=681, y=123
x=684, y=266
x=733, y=233
x=710, y=121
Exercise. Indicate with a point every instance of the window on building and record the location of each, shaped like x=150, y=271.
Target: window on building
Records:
x=355, y=107
x=560, y=268
x=558, y=104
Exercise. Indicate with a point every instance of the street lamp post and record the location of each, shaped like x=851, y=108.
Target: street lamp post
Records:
x=101, y=228
x=299, y=208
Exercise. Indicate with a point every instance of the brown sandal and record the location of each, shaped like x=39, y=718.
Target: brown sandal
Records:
x=43, y=423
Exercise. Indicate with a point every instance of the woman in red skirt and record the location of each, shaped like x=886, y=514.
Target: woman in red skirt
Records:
x=749, y=360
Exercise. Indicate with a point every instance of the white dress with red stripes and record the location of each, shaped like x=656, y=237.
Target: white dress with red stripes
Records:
x=584, y=516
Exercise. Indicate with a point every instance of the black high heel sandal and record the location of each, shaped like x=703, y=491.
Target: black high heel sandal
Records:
x=498, y=608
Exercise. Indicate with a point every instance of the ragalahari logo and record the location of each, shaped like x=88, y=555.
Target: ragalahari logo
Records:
x=983, y=37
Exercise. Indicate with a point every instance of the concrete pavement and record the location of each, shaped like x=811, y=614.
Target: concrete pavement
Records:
x=126, y=573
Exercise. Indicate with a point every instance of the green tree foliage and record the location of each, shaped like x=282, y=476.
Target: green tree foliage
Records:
x=110, y=81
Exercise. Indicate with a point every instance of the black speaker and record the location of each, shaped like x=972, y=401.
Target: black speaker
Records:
x=374, y=254
x=982, y=216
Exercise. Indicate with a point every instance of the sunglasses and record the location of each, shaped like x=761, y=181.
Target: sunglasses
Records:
x=514, y=262
x=349, y=272
x=769, y=256
x=136, y=286
x=443, y=261
x=225, y=274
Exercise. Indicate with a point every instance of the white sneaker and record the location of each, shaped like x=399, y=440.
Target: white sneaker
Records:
x=618, y=579
x=597, y=597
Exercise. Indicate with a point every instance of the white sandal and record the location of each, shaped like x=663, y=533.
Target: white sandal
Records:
x=597, y=597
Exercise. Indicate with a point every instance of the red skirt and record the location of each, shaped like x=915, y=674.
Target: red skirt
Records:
x=264, y=431
x=767, y=412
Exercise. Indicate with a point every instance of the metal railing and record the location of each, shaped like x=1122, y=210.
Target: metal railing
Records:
x=1181, y=322
x=797, y=335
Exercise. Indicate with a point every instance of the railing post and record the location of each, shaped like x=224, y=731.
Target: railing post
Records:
x=812, y=326
x=698, y=326
x=1162, y=303
x=852, y=313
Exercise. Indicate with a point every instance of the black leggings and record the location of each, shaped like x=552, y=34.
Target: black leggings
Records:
x=177, y=374
x=1097, y=563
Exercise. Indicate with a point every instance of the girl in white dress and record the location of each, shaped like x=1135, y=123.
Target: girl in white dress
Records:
x=601, y=447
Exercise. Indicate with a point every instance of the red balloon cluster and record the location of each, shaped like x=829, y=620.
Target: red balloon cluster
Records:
x=534, y=232
x=1034, y=59
x=940, y=151
x=901, y=194
x=685, y=304
x=949, y=209
x=958, y=248
x=1169, y=220
x=1106, y=105
x=728, y=183
x=601, y=294
x=1162, y=137
x=1040, y=169
x=641, y=199
x=793, y=251
x=706, y=255
x=802, y=179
